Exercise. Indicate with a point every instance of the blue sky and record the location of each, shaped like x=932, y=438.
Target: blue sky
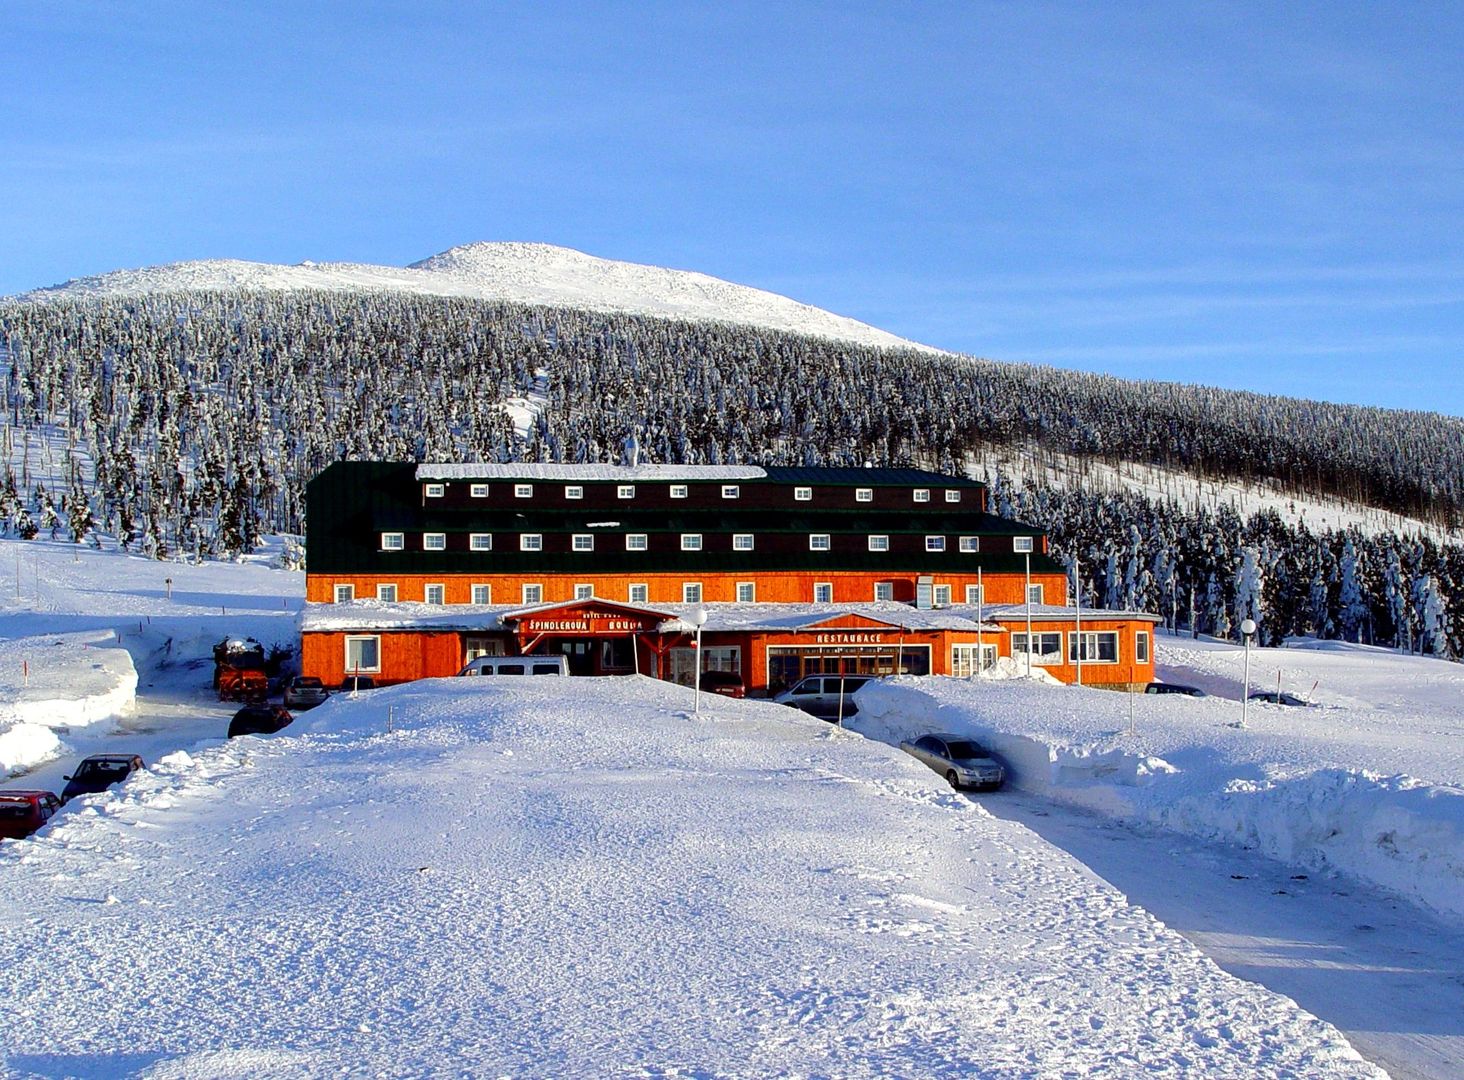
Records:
x=1258, y=196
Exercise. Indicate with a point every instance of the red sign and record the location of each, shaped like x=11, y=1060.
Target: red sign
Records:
x=599, y=623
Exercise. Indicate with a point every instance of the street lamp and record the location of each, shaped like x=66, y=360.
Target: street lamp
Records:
x=697, y=616
x=1247, y=629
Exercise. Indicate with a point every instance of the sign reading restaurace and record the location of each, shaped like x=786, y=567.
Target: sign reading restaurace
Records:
x=851, y=637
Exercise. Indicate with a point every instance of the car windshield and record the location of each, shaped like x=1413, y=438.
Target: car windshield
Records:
x=963, y=749
x=102, y=770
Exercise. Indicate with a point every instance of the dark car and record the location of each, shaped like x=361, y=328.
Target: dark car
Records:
x=1174, y=688
x=726, y=683
x=305, y=692
x=357, y=682
x=98, y=773
x=23, y=812
x=259, y=720
x=1276, y=697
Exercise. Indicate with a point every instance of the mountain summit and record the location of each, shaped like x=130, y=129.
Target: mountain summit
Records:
x=520, y=273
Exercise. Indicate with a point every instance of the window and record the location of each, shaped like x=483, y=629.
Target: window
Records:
x=921, y=494
x=691, y=541
x=434, y=541
x=344, y=594
x=818, y=542
x=803, y=494
x=531, y=542
x=480, y=541
x=970, y=544
x=434, y=594
x=730, y=491
x=1141, y=647
x=722, y=658
x=941, y=596
x=1022, y=544
x=884, y=590
x=973, y=594
x=965, y=662
x=393, y=541
x=742, y=541
x=584, y=592
x=363, y=653
x=435, y=491
x=625, y=491
x=639, y=593
x=523, y=491
x=1034, y=594
x=582, y=542
x=482, y=594
x=864, y=494
x=574, y=491
x=691, y=592
x=952, y=495
x=533, y=594
x=1099, y=646
x=386, y=593
x=935, y=543
x=1048, y=648
x=678, y=491
x=823, y=592
x=635, y=542
x=879, y=543
x=746, y=592
x=478, y=491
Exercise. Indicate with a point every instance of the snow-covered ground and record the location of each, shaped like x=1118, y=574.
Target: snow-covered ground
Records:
x=512, y=272
x=57, y=682
x=1368, y=781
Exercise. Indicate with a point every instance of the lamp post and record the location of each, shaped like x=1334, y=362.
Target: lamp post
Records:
x=1247, y=628
x=1028, y=586
x=697, y=616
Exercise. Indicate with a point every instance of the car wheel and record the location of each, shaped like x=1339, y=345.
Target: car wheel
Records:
x=953, y=780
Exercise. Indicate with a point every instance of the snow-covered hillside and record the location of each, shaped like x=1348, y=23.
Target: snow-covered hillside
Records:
x=512, y=272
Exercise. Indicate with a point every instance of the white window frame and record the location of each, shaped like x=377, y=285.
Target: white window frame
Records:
x=1034, y=593
x=748, y=587
x=920, y=495
x=731, y=491
x=678, y=491
x=969, y=658
x=393, y=541
x=820, y=542
x=879, y=542
x=387, y=593
x=583, y=590
x=574, y=491
x=523, y=491
x=887, y=588
x=742, y=541
x=1022, y=545
x=352, y=639
x=1142, y=647
x=637, y=542
x=640, y=587
x=691, y=592
x=344, y=594
x=952, y=495
x=531, y=541
x=691, y=541
x=427, y=588
x=940, y=595
x=864, y=494
x=973, y=594
x=823, y=587
x=803, y=494
x=434, y=541
x=484, y=597
x=434, y=491
x=1091, y=637
x=531, y=593
x=1046, y=658
x=625, y=491
x=970, y=545
x=935, y=543
x=480, y=541
x=478, y=491
x=582, y=542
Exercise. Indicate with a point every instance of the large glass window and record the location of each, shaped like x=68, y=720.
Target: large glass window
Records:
x=1098, y=646
x=363, y=652
x=1047, y=650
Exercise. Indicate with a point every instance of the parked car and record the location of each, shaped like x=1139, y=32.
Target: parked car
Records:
x=357, y=682
x=98, y=773
x=1276, y=697
x=259, y=720
x=962, y=762
x=826, y=696
x=517, y=665
x=305, y=692
x=23, y=812
x=726, y=683
x=1174, y=688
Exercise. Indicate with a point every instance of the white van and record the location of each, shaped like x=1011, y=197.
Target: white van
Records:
x=517, y=665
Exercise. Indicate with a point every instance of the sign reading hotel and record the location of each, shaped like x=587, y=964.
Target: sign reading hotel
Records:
x=587, y=622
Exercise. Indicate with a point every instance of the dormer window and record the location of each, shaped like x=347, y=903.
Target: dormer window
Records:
x=935, y=543
x=691, y=542
x=434, y=541
x=1022, y=544
x=952, y=495
x=864, y=494
x=678, y=491
x=730, y=491
x=921, y=494
x=480, y=541
x=636, y=542
x=436, y=491
x=523, y=491
x=393, y=541
x=531, y=542
x=478, y=491
x=879, y=543
x=803, y=494
x=583, y=542
x=742, y=541
x=970, y=544
x=574, y=491
x=818, y=542
x=625, y=491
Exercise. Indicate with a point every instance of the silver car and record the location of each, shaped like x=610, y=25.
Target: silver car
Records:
x=826, y=696
x=304, y=692
x=962, y=762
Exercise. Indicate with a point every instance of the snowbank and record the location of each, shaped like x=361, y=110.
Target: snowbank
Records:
x=1293, y=785
x=53, y=683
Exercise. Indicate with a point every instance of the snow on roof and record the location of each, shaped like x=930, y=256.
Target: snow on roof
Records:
x=1057, y=611
x=403, y=615
x=589, y=471
x=793, y=617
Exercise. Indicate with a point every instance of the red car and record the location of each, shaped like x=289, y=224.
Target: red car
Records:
x=726, y=683
x=23, y=812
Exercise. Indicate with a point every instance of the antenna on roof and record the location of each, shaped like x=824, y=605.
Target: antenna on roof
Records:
x=632, y=451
